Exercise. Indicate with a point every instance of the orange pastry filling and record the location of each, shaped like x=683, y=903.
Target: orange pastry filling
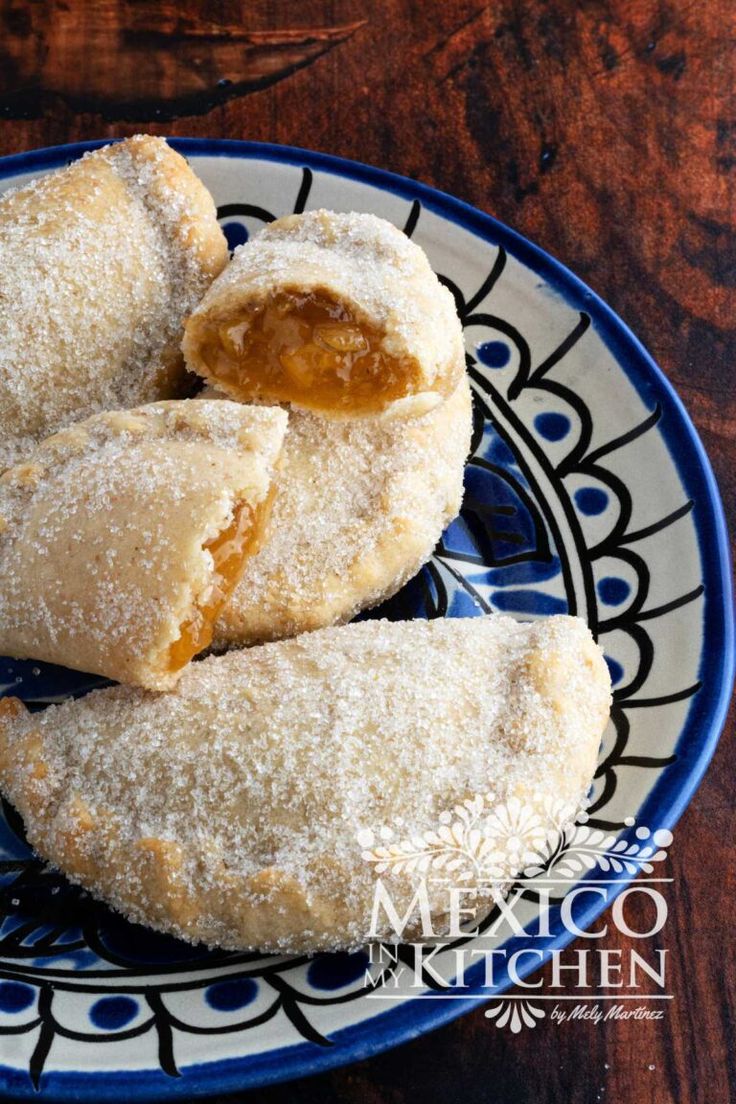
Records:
x=229, y=551
x=308, y=350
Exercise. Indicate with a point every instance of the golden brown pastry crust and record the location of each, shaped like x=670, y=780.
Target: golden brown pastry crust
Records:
x=100, y=263
x=104, y=532
x=228, y=810
x=358, y=508
x=361, y=263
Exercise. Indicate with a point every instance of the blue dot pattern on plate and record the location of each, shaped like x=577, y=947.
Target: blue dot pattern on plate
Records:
x=229, y=996
x=112, y=1013
x=235, y=233
x=591, y=500
x=552, y=426
x=333, y=971
x=615, y=670
x=15, y=997
x=613, y=591
x=494, y=354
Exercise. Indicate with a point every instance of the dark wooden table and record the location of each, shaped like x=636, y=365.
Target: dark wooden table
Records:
x=605, y=130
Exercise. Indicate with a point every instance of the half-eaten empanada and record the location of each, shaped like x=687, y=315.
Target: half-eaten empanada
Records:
x=121, y=537
x=231, y=811
x=336, y=313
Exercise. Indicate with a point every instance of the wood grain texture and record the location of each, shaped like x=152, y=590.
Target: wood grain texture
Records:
x=166, y=62
x=606, y=132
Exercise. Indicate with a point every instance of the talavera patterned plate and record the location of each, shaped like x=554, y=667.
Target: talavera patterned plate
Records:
x=587, y=492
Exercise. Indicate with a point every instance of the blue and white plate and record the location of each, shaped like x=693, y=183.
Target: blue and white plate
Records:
x=588, y=492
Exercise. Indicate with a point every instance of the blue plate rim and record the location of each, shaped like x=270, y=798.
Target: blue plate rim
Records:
x=671, y=794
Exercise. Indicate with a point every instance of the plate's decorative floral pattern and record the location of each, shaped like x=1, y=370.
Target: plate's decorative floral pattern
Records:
x=585, y=493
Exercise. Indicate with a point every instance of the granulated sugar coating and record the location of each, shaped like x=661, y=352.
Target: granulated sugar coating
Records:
x=359, y=506
x=107, y=531
x=100, y=263
x=228, y=810
x=381, y=294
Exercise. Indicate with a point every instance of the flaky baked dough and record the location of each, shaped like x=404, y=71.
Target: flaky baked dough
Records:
x=358, y=508
x=228, y=811
x=100, y=263
x=103, y=528
x=359, y=262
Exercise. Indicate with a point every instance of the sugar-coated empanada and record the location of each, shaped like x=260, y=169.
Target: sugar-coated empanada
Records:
x=359, y=506
x=228, y=810
x=121, y=536
x=100, y=263
x=335, y=313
